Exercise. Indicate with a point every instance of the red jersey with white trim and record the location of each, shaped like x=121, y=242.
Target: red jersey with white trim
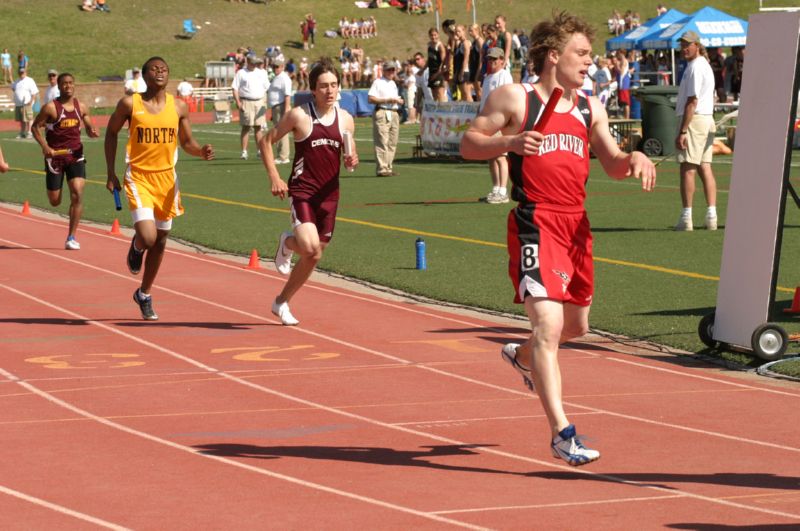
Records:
x=557, y=175
x=65, y=132
x=317, y=158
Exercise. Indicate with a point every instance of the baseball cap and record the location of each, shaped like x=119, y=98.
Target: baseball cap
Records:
x=388, y=65
x=278, y=61
x=690, y=37
x=496, y=53
x=136, y=69
x=52, y=72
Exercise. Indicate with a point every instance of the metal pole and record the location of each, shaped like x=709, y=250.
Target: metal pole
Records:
x=474, y=12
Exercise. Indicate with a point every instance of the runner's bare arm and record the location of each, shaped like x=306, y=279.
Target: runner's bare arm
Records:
x=121, y=114
x=293, y=121
x=616, y=163
x=502, y=111
x=47, y=114
x=91, y=130
x=188, y=143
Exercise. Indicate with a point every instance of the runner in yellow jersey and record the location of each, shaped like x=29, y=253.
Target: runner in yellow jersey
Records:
x=158, y=123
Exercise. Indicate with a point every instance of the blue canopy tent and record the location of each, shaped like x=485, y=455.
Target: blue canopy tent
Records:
x=631, y=39
x=715, y=28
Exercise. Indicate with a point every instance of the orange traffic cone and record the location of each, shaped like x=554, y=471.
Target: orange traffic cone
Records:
x=253, y=260
x=795, y=302
x=115, y=228
x=26, y=209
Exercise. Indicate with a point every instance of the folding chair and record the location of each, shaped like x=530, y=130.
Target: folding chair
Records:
x=189, y=29
x=222, y=110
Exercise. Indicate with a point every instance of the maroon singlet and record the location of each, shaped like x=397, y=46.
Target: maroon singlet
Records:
x=317, y=158
x=65, y=132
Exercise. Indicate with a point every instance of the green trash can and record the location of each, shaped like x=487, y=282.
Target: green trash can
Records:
x=659, y=122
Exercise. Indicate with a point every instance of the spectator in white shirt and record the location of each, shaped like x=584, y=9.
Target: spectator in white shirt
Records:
x=496, y=76
x=279, y=101
x=52, y=91
x=250, y=86
x=25, y=93
x=385, y=119
x=136, y=83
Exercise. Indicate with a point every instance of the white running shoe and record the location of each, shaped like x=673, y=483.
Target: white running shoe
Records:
x=244, y=155
x=283, y=256
x=509, y=355
x=568, y=446
x=72, y=245
x=281, y=161
x=282, y=311
x=711, y=222
x=497, y=199
x=684, y=224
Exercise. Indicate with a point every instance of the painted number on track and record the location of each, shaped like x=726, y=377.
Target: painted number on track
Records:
x=273, y=353
x=87, y=361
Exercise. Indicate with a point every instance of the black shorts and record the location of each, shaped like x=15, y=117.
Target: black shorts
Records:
x=57, y=168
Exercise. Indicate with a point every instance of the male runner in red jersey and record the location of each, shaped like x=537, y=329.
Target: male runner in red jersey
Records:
x=63, y=151
x=319, y=129
x=549, y=241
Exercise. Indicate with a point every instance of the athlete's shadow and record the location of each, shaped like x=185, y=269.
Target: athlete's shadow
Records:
x=668, y=481
x=190, y=324
x=359, y=454
x=696, y=526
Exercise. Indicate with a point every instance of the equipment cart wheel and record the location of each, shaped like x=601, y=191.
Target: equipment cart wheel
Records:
x=706, y=331
x=769, y=342
x=652, y=147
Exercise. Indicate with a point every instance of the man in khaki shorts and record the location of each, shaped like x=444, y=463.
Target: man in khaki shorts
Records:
x=250, y=92
x=695, y=134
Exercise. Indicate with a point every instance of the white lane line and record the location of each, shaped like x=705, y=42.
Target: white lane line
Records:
x=552, y=505
x=60, y=508
x=698, y=431
x=297, y=481
x=367, y=420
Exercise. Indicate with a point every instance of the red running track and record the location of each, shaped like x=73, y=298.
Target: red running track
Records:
x=374, y=413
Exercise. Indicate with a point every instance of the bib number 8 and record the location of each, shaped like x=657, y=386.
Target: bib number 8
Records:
x=530, y=257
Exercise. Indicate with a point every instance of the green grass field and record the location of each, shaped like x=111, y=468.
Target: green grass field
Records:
x=652, y=283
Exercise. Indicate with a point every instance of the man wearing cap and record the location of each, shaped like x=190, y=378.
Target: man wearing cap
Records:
x=52, y=89
x=496, y=76
x=250, y=86
x=695, y=135
x=135, y=84
x=279, y=101
x=385, y=119
x=25, y=93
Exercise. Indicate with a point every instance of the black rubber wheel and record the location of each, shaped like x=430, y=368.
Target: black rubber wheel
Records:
x=769, y=342
x=652, y=147
x=706, y=331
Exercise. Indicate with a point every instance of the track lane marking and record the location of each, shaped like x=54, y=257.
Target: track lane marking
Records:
x=367, y=420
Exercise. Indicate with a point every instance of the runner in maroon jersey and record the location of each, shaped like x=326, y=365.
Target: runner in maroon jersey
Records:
x=320, y=129
x=63, y=150
x=549, y=241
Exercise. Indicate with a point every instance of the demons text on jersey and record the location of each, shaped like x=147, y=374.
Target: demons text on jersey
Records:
x=325, y=142
x=155, y=135
x=562, y=142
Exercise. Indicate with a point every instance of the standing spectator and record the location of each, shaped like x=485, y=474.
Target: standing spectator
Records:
x=695, y=138
x=184, y=90
x=62, y=148
x=504, y=40
x=410, y=99
x=279, y=100
x=135, y=85
x=474, y=60
x=436, y=66
x=23, y=61
x=25, y=94
x=311, y=24
x=52, y=91
x=717, y=62
x=623, y=75
x=588, y=82
x=304, y=33
x=302, y=74
x=385, y=119
x=496, y=76
x=737, y=69
x=5, y=64
x=424, y=93
x=602, y=80
x=490, y=41
x=461, y=63
x=250, y=86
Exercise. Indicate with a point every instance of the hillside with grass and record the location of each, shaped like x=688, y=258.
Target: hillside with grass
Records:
x=57, y=34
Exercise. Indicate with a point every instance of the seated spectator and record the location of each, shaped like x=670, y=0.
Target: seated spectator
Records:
x=101, y=6
x=344, y=28
x=88, y=5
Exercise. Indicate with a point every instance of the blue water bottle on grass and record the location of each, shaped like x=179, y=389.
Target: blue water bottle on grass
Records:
x=421, y=261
